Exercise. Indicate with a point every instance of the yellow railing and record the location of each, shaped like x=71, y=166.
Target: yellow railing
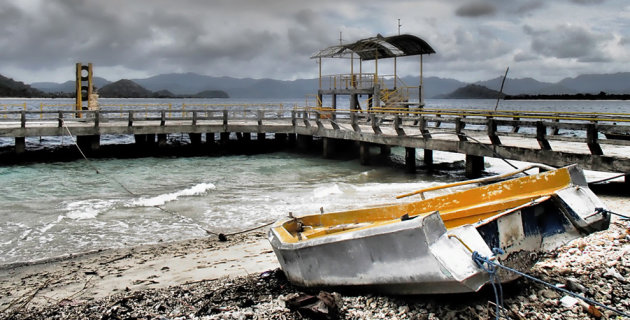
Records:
x=143, y=106
x=543, y=115
x=186, y=108
x=350, y=81
x=9, y=106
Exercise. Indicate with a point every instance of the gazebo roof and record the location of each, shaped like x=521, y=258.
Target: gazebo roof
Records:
x=379, y=47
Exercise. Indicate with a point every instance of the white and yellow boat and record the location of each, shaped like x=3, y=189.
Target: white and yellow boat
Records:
x=426, y=246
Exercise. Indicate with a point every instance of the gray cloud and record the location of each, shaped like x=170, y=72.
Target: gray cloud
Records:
x=527, y=6
x=588, y=2
x=476, y=9
x=569, y=41
x=43, y=39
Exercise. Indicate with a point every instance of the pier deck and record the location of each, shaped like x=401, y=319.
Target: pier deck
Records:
x=555, y=139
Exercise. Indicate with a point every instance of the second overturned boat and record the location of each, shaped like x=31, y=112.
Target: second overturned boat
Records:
x=426, y=246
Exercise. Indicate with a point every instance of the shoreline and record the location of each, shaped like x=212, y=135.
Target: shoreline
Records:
x=98, y=274
x=243, y=266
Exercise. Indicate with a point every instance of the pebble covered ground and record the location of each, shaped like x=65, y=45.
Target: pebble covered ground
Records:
x=596, y=267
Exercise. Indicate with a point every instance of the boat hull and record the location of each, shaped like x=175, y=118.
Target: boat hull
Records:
x=420, y=255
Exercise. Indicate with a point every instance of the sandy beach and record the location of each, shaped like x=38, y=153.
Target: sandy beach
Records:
x=93, y=284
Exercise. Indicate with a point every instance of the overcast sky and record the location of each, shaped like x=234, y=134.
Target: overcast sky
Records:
x=41, y=40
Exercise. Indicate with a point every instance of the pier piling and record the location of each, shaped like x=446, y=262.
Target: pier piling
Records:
x=386, y=150
x=89, y=143
x=364, y=153
x=428, y=158
x=474, y=166
x=195, y=138
x=161, y=140
x=410, y=160
x=20, y=145
x=328, y=147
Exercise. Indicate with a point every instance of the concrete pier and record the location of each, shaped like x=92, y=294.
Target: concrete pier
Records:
x=304, y=142
x=89, y=144
x=161, y=140
x=364, y=153
x=428, y=158
x=410, y=160
x=385, y=150
x=328, y=147
x=225, y=137
x=20, y=145
x=195, y=138
x=474, y=166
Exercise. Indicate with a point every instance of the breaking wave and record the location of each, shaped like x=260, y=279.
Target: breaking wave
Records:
x=168, y=197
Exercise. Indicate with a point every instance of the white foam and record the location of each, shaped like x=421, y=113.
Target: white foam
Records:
x=164, y=198
x=50, y=225
x=334, y=189
x=88, y=209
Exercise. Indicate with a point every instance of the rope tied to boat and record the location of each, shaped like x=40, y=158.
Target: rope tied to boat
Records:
x=484, y=263
x=490, y=266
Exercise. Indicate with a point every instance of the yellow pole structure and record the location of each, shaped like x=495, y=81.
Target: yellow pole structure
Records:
x=89, y=90
x=79, y=99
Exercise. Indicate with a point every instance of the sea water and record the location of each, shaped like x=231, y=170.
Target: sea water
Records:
x=53, y=209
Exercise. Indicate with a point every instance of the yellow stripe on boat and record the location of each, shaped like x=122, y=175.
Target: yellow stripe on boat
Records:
x=456, y=209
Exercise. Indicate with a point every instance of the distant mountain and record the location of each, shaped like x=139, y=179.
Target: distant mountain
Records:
x=435, y=86
x=130, y=89
x=524, y=86
x=472, y=91
x=212, y=94
x=68, y=86
x=124, y=89
x=163, y=94
x=595, y=83
x=189, y=84
x=12, y=88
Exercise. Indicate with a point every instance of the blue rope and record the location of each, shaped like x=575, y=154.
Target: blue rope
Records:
x=492, y=266
x=494, y=278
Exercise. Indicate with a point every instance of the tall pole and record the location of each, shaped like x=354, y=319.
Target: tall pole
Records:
x=320, y=73
x=420, y=95
x=395, y=67
x=376, y=67
x=501, y=90
x=395, y=74
x=352, y=80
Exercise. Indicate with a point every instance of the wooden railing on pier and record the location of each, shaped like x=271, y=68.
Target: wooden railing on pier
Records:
x=596, y=141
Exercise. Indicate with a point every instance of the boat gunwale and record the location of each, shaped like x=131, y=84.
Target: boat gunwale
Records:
x=285, y=235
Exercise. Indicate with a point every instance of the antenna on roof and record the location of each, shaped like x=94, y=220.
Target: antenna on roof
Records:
x=399, y=25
